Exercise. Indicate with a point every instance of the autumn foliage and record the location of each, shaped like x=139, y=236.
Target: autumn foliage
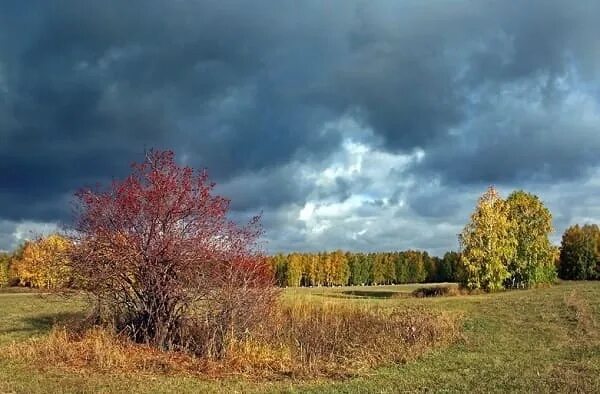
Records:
x=42, y=263
x=580, y=253
x=340, y=268
x=506, y=243
x=165, y=264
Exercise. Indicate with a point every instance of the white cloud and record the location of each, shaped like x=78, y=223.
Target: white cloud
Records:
x=12, y=233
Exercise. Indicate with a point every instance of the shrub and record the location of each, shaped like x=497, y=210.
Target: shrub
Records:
x=160, y=258
x=436, y=291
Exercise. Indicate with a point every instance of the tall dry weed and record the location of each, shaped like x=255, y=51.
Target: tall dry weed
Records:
x=301, y=340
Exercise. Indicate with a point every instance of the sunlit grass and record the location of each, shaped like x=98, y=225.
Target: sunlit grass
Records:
x=539, y=340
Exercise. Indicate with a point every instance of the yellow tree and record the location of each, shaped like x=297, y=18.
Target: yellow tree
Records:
x=44, y=263
x=325, y=269
x=312, y=269
x=531, y=224
x=488, y=244
x=389, y=268
x=378, y=269
x=294, y=272
x=339, y=266
x=320, y=271
x=4, y=266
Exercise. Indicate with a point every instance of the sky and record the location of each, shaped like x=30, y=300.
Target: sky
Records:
x=357, y=125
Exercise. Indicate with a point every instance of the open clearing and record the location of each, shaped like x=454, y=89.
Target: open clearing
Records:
x=542, y=340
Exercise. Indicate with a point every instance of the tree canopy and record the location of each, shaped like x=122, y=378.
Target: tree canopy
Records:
x=162, y=259
x=506, y=243
x=43, y=263
x=580, y=253
x=531, y=224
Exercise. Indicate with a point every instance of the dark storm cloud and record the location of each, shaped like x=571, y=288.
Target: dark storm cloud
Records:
x=421, y=78
x=522, y=140
x=488, y=92
x=91, y=84
x=441, y=203
x=265, y=190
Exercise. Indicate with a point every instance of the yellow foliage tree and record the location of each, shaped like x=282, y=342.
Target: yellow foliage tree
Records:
x=4, y=264
x=44, y=263
x=488, y=243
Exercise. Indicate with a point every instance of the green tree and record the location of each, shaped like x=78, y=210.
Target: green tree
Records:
x=431, y=264
x=488, y=244
x=353, y=265
x=449, y=269
x=415, y=266
x=401, y=271
x=366, y=269
x=579, y=253
x=378, y=270
x=531, y=225
x=279, y=265
x=389, y=268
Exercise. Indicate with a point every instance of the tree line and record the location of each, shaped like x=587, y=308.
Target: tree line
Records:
x=44, y=263
x=341, y=268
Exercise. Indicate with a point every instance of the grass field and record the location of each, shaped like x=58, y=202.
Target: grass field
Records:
x=540, y=340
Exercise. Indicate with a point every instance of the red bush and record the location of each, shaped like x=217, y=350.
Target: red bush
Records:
x=161, y=257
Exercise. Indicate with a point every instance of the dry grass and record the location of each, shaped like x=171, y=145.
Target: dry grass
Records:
x=338, y=339
x=300, y=341
x=577, y=371
x=98, y=350
x=581, y=312
x=514, y=341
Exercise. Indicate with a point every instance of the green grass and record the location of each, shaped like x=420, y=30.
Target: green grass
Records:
x=524, y=341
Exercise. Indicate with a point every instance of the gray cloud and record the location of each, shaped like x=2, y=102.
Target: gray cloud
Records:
x=278, y=99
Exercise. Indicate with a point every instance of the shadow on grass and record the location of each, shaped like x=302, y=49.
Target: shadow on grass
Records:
x=42, y=323
x=341, y=295
x=362, y=294
x=375, y=294
x=19, y=290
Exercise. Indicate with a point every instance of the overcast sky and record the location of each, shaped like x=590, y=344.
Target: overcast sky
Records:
x=360, y=125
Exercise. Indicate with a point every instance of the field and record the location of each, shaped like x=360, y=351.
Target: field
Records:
x=542, y=340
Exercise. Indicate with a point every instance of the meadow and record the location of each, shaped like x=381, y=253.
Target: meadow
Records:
x=542, y=340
